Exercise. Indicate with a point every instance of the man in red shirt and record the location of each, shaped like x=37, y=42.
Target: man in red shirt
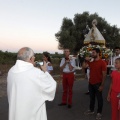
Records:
x=96, y=81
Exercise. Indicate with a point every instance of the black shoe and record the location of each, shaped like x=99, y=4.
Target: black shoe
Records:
x=62, y=104
x=87, y=93
x=69, y=106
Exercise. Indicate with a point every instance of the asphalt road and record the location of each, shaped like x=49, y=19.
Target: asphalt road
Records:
x=80, y=104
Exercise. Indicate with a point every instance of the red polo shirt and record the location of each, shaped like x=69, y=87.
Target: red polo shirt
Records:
x=96, y=69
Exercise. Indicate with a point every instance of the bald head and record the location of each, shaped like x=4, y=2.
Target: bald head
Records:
x=25, y=54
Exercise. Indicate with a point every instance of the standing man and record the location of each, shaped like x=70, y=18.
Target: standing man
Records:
x=67, y=68
x=96, y=81
x=28, y=88
x=117, y=55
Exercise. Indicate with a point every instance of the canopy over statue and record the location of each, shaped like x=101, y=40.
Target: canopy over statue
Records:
x=94, y=35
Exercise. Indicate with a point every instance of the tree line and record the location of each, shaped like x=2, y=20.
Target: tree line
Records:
x=10, y=58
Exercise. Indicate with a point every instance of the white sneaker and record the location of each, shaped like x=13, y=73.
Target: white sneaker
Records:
x=98, y=116
x=89, y=112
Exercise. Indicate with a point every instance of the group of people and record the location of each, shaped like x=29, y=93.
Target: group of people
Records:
x=29, y=87
x=97, y=76
x=114, y=90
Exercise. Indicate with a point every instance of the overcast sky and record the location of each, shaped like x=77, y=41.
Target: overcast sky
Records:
x=33, y=23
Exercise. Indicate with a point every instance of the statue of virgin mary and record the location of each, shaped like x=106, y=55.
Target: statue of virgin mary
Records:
x=94, y=36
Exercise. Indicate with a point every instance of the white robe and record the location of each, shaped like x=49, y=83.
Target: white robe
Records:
x=28, y=88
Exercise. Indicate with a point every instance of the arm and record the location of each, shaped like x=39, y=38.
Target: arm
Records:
x=70, y=67
x=63, y=66
x=71, y=64
x=85, y=65
x=104, y=77
x=50, y=71
x=104, y=69
x=61, y=69
x=50, y=68
x=47, y=85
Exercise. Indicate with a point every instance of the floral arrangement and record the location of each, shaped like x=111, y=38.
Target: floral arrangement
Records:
x=87, y=50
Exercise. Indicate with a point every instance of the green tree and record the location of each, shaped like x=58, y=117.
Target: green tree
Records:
x=71, y=34
x=65, y=35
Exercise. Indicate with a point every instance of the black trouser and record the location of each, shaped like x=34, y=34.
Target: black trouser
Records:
x=108, y=70
x=93, y=89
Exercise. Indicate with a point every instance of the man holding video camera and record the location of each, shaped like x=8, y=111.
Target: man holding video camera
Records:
x=67, y=69
x=28, y=88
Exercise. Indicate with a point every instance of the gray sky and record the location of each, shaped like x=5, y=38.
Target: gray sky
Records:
x=33, y=23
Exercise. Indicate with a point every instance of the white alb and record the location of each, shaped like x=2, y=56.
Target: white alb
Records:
x=28, y=88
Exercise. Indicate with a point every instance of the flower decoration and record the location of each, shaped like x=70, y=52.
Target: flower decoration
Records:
x=87, y=50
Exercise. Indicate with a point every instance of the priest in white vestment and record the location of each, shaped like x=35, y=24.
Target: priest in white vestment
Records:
x=28, y=88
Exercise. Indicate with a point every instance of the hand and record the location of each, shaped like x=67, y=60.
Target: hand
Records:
x=100, y=88
x=67, y=61
x=44, y=66
x=34, y=64
x=88, y=58
x=108, y=98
